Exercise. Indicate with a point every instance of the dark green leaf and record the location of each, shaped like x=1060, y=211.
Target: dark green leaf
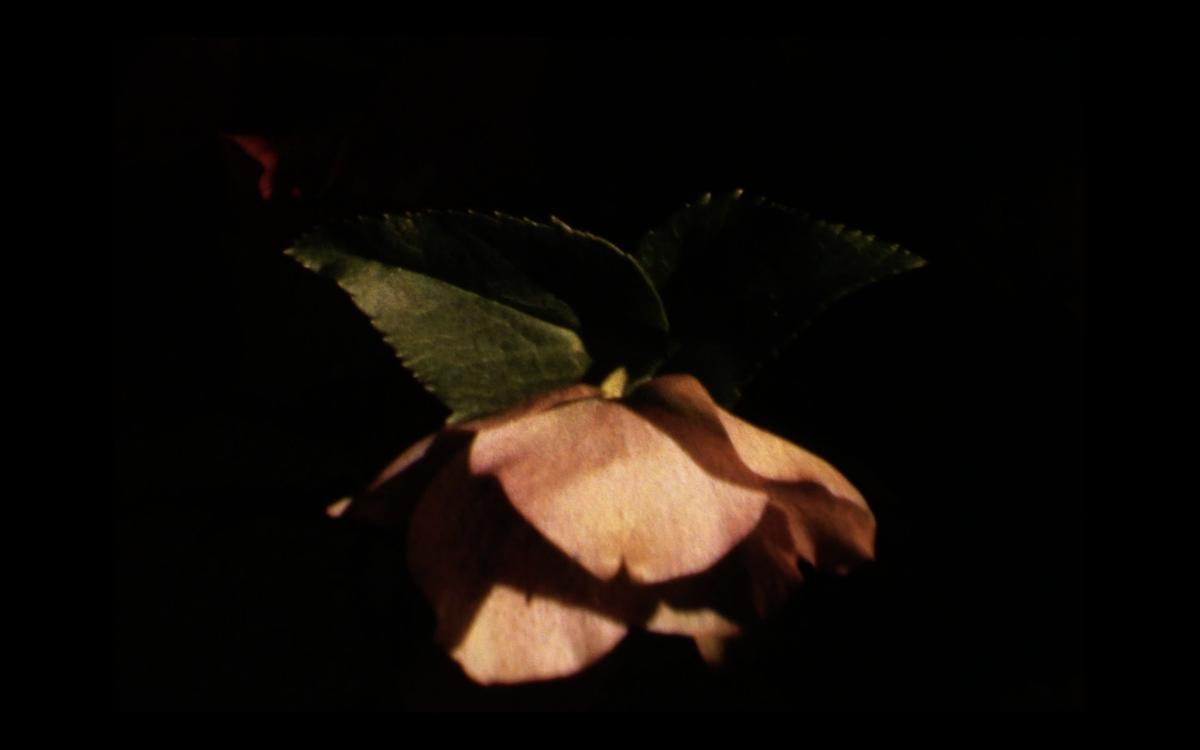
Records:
x=742, y=276
x=488, y=309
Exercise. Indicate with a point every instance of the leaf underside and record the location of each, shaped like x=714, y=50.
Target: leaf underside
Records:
x=742, y=276
x=487, y=310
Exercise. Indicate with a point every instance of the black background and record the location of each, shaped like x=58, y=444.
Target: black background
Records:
x=247, y=395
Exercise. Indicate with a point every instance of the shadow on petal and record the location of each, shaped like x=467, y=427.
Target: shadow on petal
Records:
x=771, y=562
x=510, y=606
x=829, y=531
x=615, y=492
x=541, y=534
x=392, y=497
x=690, y=419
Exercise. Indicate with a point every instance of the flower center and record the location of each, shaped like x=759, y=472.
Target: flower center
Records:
x=614, y=383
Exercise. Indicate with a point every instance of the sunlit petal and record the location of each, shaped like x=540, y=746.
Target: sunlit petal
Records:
x=541, y=533
x=510, y=606
x=516, y=637
x=613, y=491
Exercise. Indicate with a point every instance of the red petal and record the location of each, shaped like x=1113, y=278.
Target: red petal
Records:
x=264, y=152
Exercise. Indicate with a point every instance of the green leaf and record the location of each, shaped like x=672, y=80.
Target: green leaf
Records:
x=489, y=309
x=742, y=276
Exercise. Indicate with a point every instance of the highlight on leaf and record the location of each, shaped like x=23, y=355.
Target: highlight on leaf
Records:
x=488, y=309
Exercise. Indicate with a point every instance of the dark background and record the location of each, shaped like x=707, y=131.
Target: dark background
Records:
x=247, y=394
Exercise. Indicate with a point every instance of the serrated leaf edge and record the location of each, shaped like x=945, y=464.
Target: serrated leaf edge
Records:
x=408, y=360
x=912, y=262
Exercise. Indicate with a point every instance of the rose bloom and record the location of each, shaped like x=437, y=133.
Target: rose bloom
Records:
x=541, y=534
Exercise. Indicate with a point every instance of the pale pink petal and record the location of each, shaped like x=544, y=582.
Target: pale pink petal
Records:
x=828, y=530
x=532, y=405
x=673, y=619
x=510, y=606
x=769, y=559
x=338, y=507
x=527, y=518
x=707, y=628
x=390, y=499
x=613, y=490
x=413, y=454
x=711, y=647
x=814, y=514
x=516, y=637
x=394, y=491
x=772, y=457
x=821, y=518
x=768, y=456
x=683, y=393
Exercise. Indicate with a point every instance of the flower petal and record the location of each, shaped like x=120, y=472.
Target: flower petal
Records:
x=532, y=405
x=766, y=455
x=674, y=620
x=404, y=461
x=391, y=495
x=516, y=637
x=510, y=606
x=768, y=560
x=266, y=154
x=828, y=530
x=814, y=513
x=774, y=458
x=613, y=490
x=706, y=627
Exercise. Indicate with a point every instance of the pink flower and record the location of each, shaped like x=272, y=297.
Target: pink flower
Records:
x=543, y=533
